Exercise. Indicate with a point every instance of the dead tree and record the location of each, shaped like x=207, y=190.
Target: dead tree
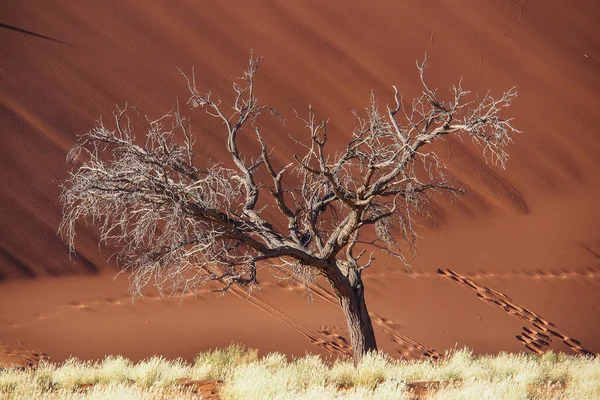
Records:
x=180, y=225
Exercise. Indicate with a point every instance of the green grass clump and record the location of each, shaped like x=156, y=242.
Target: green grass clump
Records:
x=460, y=375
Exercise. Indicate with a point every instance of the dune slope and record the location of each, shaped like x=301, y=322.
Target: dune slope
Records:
x=529, y=232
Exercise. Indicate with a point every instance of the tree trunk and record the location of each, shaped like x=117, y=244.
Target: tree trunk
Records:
x=362, y=337
x=350, y=292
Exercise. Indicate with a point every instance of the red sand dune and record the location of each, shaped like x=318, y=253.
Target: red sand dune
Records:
x=529, y=233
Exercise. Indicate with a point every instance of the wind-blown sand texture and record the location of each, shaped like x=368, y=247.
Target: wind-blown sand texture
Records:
x=529, y=233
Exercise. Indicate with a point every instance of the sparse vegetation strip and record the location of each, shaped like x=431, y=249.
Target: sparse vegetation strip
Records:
x=238, y=373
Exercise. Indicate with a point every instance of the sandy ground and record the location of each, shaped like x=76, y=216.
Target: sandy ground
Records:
x=529, y=233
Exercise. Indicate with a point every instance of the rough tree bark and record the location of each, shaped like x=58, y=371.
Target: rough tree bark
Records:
x=181, y=225
x=351, y=295
x=360, y=327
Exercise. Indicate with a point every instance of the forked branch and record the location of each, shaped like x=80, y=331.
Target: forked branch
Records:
x=185, y=225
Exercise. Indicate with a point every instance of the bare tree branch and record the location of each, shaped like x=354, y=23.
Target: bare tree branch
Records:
x=179, y=225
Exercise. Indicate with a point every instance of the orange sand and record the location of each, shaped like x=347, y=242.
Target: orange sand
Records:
x=530, y=232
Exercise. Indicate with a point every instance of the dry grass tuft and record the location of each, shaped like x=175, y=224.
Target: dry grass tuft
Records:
x=241, y=374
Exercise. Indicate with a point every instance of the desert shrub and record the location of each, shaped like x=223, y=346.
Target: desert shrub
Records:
x=11, y=379
x=342, y=374
x=373, y=369
x=273, y=361
x=458, y=364
x=42, y=378
x=158, y=372
x=273, y=377
x=418, y=370
x=584, y=378
x=307, y=372
x=391, y=390
x=501, y=366
x=251, y=381
x=114, y=369
x=118, y=391
x=219, y=363
x=74, y=373
x=482, y=390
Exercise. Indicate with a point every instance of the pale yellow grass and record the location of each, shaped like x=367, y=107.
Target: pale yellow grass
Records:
x=246, y=376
